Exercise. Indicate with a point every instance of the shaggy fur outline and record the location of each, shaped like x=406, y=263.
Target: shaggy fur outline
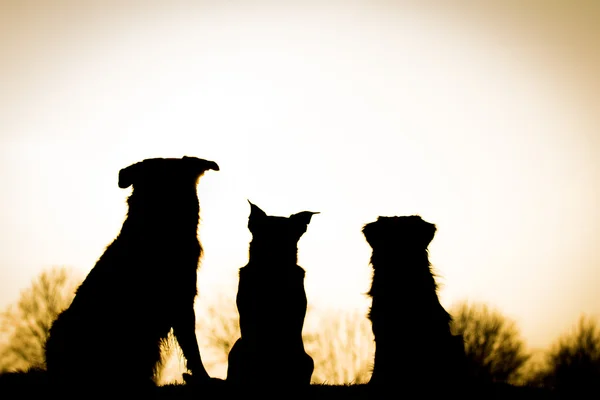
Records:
x=142, y=286
x=272, y=303
x=413, y=342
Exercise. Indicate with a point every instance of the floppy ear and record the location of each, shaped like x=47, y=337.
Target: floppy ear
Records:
x=427, y=233
x=375, y=232
x=368, y=233
x=128, y=175
x=199, y=165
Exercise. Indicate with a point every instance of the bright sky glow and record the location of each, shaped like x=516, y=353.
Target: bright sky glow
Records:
x=355, y=112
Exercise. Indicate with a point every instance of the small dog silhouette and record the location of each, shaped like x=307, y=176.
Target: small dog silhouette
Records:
x=142, y=286
x=272, y=303
x=413, y=342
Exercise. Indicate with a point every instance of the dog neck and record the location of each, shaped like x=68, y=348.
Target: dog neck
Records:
x=392, y=267
x=264, y=254
x=160, y=216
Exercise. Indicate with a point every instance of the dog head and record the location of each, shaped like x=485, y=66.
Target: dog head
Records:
x=399, y=232
x=165, y=173
x=277, y=230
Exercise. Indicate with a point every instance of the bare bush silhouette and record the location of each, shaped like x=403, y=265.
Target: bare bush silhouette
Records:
x=342, y=347
x=217, y=330
x=25, y=324
x=572, y=364
x=494, y=349
x=340, y=343
x=221, y=328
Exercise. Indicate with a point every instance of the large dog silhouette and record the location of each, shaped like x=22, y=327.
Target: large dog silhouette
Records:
x=142, y=286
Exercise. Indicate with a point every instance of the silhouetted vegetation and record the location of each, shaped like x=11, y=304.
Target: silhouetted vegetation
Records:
x=341, y=344
x=170, y=353
x=129, y=306
x=25, y=325
x=572, y=364
x=494, y=349
x=220, y=328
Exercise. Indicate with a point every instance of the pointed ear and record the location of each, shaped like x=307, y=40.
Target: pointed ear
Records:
x=256, y=217
x=129, y=175
x=303, y=217
x=256, y=212
x=301, y=220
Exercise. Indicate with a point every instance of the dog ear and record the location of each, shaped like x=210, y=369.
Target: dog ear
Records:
x=301, y=220
x=256, y=212
x=427, y=233
x=369, y=233
x=256, y=216
x=128, y=175
x=199, y=165
x=303, y=217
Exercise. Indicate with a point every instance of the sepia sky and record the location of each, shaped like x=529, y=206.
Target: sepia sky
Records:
x=484, y=120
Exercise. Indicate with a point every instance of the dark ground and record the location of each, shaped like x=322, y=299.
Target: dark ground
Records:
x=35, y=385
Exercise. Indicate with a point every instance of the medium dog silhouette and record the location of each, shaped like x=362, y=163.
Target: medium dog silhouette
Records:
x=142, y=286
x=272, y=303
x=413, y=343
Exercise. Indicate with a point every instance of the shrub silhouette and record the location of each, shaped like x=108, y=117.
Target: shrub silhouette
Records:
x=272, y=303
x=142, y=286
x=572, y=365
x=494, y=349
x=26, y=324
x=221, y=328
x=341, y=345
x=413, y=342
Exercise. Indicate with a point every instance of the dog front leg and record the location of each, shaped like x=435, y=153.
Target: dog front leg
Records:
x=185, y=333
